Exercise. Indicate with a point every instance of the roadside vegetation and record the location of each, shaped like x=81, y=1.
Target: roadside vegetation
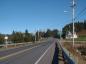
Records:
x=80, y=29
x=23, y=37
x=81, y=38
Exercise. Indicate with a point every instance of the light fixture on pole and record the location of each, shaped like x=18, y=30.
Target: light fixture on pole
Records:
x=6, y=43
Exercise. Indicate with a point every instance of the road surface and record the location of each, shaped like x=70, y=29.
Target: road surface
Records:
x=24, y=55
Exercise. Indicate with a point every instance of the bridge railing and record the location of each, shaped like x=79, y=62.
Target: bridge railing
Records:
x=68, y=57
x=14, y=44
x=10, y=45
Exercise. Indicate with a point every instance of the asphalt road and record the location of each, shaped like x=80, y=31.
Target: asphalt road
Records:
x=24, y=55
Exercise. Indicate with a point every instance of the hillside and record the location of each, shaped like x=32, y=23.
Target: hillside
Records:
x=80, y=28
x=82, y=33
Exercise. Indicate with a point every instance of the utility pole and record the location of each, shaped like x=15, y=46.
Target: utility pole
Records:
x=73, y=17
x=60, y=32
x=38, y=35
x=35, y=37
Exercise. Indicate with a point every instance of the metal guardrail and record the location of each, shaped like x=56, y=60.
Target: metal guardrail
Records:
x=21, y=44
x=47, y=57
x=68, y=57
x=15, y=44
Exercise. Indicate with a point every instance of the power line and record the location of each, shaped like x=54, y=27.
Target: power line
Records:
x=80, y=13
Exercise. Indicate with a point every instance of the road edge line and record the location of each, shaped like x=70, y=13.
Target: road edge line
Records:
x=43, y=54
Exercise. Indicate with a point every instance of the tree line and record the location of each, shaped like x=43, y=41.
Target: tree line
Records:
x=78, y=26
x=21, y=37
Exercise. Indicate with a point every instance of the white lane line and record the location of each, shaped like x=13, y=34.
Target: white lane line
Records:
x=16, y=53
x=43, y=54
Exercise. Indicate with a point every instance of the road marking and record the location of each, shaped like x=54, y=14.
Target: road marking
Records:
x=43, y=54
x=16, y=53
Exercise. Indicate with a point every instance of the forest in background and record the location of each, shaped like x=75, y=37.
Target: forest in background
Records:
x=78, y=27
x=22, y=37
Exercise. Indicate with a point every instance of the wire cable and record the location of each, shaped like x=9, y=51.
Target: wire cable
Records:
x=80, y=13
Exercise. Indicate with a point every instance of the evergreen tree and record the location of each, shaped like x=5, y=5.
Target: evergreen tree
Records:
x=1, y=39
x=84, y=24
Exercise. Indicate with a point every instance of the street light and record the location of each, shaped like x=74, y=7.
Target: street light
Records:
x=65, y=11
x=6, y=38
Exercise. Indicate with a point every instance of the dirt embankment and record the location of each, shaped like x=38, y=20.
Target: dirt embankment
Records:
x=74, y=52
x=83, y=32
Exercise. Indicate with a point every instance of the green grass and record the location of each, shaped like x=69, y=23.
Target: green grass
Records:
x=81, y=38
